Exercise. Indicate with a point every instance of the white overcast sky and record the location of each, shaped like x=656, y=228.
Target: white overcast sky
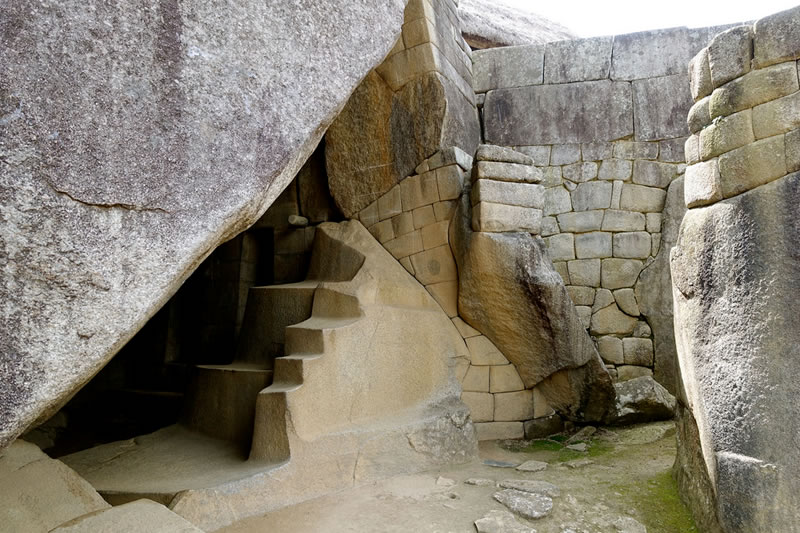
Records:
x=609, y=17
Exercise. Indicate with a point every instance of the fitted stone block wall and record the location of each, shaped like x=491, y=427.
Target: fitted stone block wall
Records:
x=735, y=272
x=605, y=120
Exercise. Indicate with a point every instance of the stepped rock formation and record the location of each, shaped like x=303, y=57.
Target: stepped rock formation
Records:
x=736, y=275
x=182, y=133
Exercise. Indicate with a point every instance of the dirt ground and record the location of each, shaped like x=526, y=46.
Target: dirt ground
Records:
x=627, y=481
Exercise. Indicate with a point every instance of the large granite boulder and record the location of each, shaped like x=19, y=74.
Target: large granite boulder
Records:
x=654, y=292
x=487, y=24
x=136, y=137
x=736, y=277
x=510, y=292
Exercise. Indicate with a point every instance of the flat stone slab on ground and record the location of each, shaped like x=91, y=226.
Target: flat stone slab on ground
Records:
x=578, y=463
x=525, y=504
x=534, y=486
x=501, y=522
x=500, y=464
x=532, y=466
x=480, y=482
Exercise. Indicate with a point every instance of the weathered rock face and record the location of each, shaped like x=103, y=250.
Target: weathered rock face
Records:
x=736, y=275
x=642, y=399
x=507, y=280
x=653, y=292
x=136, y=138
x=417, y=102
x=487, y=24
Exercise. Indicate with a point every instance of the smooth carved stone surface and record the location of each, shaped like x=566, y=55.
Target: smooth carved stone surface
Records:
x=140, y=515
x=490, y=152
x=511, y=66
x=775, y=38
x=730, y=54
x=754, y=88
x=577, y=60
x=650, y=54
x=381, y=136
x=702, y=185
x=507, y=281
x=731, y=262
x=487, y=24
x=526, y=504
x=171, y=137
x=700, y=75
x=598, y=110
x=660, y=106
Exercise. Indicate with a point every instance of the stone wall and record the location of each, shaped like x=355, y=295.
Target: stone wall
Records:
x=604, y=118
x=736, y=276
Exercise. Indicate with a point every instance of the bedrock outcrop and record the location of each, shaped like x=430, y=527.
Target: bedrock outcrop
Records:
x=509, y=290
x=736, y=277
x=136, y=137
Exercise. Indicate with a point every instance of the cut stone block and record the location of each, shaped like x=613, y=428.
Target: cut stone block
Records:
x=580, y=172
x=369, y=215
x=540, y=154
x=444, y=210
x=452, y=155
x=628, y=372
x=557, y=200
x=476, y=380
x=671, y=150
x=602, y=299
x=483, y=352
x=562, y=270
x=390, y=204
x=775, y=38
x=585, y=315
x=492, y=170
x=504, y=379
x=540, y=406
x=597, y=151
x=499, y=218
x=620, y=273
x=581, y=295
x=611, y=321
x=403, y=224
x=598, y=111
x=616, y=194
x=509, y=406
x=616, y=220
x=702, y=185
x=700, y=75
x=651, y=53
x=406, y=262
x=139, y=515
x=581, y=222
x=777, y=116
x=610, y=349
x=730, y=54
x=615, y=169
x=423, y=216
x=465, y=329
x=446, y=295
x=405, y=245
x=543, y=427
x=654, y=173
x=417, y=191
x=565, y=154
x=550, y=226
x=641, y=198
x=754, y=88
x=499, y=430
x=592, y=195
x=507, y=66
x=435, y=266
x=660, y=107
x=561, y=247
x=450, y=182
x=792, y=148
x=577, y=60
x=509, y=193
x=654, y=222
x=481, y=405
x=726, y=134
x=501, y=154
x=750, y=166
x=638, y=351
x=632, y=245
x=584, y=272
x=691, y=149
x=383, y=231
x=635, y=150
x=626, y=301
x=435, y=234
x=594, y=244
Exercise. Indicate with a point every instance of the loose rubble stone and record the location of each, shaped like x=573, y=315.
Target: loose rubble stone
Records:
x=499, y=464
x=580, y=447
x=525, y=504
x=501, y=522
x=533, y=486
x=578, y=463
x=532, y=466
x=543, y=427
x=642, y=399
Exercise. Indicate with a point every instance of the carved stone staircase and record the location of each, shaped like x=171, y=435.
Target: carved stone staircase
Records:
x=344, y=377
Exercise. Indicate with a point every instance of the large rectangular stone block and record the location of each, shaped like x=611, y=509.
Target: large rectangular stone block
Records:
x=581, y=222
x=632, y=245
x=510, y=406
x=750, y=166
x=561, y=247
x=596, y=244
x=660, y=107
x=616, y=220
x=730, y=54
x=654, y=173
x=754, y=88
x=726, y=134
x=557, y=200
x=777, y=116
x=555, y=114
x=502, y=192
x=584, y=272
x=577, y=60
x=650, y=54
x=481, y=405
x=492, y=170
x=641, y=198
x=702, y=184
x=499, y=218
x=435, y=266
x=499, y=430
x=700, y=75
x=592, y=195
x=775, y=38
x=507, y=66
